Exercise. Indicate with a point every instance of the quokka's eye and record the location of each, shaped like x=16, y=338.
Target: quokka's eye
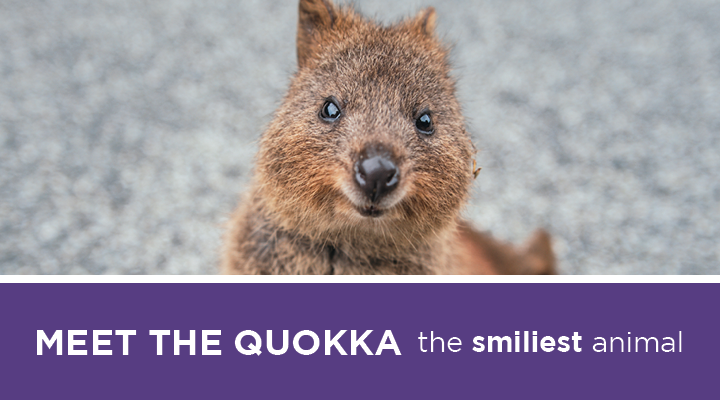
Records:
x=330, y=111
x=424, y=124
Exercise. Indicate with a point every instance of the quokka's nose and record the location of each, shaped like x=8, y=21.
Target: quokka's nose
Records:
x=376, y=175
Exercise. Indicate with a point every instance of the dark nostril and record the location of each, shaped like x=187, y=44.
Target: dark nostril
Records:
x=359, y=175
x=377, y=176
x=392, y=178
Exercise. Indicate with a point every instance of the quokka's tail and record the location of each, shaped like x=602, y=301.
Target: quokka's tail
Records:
x=538, y=255
x=480, y=253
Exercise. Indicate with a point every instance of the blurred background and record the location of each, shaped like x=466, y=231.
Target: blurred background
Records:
x=128, y=128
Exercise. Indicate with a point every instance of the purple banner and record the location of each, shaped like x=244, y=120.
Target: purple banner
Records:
x=430, y=341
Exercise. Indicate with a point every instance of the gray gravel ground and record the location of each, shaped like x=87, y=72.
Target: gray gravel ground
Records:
x=128, y=128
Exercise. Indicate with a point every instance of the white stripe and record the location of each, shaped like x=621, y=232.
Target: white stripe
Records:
x=357, y=279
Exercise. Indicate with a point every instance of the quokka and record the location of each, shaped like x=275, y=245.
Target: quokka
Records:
x=367, y=164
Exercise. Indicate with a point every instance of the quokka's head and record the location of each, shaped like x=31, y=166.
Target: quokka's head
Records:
x=370, y=139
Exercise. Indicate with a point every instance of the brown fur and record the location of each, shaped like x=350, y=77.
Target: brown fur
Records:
x=301, y=214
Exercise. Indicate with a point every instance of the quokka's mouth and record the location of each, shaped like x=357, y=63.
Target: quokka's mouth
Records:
x=370, y=211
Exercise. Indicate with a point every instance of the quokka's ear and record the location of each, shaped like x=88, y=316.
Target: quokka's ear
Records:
x=424, y=21
x=315, y=15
